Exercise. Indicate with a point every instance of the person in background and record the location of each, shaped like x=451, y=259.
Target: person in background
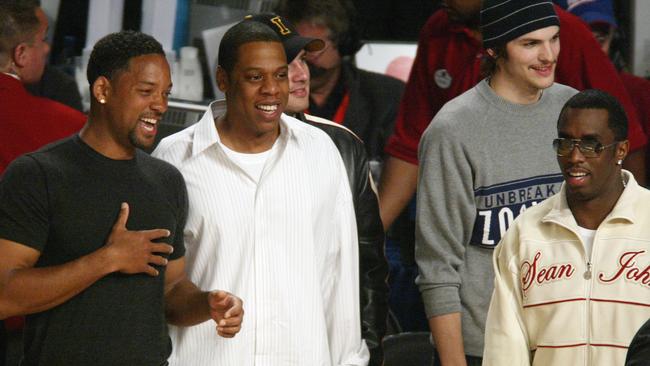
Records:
x=571, y=284
x=278, y=228
x=599, y=15
x=91, y=228
x=27, y=122
x=372, y=263
x=364, y=102
x=54, y=83
x=484, y=161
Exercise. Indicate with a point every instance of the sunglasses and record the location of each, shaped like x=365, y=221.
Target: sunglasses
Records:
x=588, y=148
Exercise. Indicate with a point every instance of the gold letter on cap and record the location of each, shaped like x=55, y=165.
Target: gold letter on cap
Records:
x=283, y=29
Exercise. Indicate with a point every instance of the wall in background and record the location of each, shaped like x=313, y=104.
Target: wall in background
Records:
x=641, y=38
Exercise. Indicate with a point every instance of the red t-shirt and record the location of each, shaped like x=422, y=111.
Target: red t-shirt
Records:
x=448, y=63
x=639, y=90
x=28, y=122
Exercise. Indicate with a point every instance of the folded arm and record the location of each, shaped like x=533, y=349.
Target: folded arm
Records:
x=25, y=289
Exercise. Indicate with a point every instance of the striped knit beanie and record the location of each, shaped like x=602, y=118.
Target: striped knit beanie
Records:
x=504, y=20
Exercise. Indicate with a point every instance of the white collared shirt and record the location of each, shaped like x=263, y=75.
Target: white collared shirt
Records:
x=287, y=245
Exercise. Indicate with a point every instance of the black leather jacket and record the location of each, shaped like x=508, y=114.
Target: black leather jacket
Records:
x=372, y=261
x=639, y=352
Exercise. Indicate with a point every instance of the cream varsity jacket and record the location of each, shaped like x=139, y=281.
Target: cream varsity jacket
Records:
x=552, y=305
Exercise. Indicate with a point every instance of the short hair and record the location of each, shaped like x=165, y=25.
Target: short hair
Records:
x=18, y=24
x=112, y=53
x=598, y=99
x=241, y=33
x=489, y=64
x=333, y=14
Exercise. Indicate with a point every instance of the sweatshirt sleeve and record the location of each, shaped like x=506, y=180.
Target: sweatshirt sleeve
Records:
x=444, y=218
x=506, y=339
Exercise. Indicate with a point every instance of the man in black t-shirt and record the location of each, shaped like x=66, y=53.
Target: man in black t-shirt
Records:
x=91, y=228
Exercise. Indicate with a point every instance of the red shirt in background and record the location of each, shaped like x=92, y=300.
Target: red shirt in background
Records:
x=639, y=90
x=448, y=63
x=28, y=122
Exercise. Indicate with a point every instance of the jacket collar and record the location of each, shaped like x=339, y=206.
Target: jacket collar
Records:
x=624, y=208
x=206, y=135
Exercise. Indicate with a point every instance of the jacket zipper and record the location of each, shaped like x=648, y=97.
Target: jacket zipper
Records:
x=587, y=275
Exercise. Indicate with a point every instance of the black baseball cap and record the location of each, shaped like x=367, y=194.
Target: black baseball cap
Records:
x=292, y=41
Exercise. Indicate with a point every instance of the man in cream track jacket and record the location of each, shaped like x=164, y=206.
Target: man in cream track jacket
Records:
x=572, y=279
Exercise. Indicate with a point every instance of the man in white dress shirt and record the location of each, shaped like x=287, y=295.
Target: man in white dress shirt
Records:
x=271, y=218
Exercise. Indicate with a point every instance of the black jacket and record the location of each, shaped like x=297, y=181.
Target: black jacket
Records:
x=373, y=267
x=371, y=114
x=639, y=352
x=372, y=108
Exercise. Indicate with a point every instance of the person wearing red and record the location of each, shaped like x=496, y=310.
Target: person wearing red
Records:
x=639, y=89
x=599, y=15
x=448, y=62
x=27, y=122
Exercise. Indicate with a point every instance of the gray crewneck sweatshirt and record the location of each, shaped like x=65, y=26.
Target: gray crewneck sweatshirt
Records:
x=483, y=161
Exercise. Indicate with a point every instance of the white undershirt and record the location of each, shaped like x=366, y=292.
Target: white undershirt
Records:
x=253, y=163
x=587, y=236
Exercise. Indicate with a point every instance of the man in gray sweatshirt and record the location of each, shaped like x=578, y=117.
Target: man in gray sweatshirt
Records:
x=484, y=159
